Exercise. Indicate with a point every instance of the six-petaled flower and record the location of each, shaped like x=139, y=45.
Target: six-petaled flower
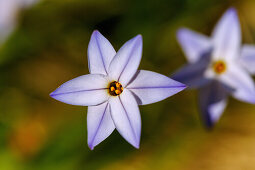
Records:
x=114, y=89
x=218, y=66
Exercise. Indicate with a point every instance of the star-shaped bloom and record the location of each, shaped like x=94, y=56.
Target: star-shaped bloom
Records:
x=219, y=66
x=114, y=89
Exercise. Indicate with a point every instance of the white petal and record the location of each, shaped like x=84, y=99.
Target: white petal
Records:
x=100, y=54
x=247, y=58
x=212, y=102
x=227, y=36
x=126, y=62
x=150, y=87
x=85, y=90
x=99, y=123
x=241, y=83
x=126, y=117
x=194, y=45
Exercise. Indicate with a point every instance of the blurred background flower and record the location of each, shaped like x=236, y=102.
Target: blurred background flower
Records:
x=48, y=47
x=214, y=66
x=9, y=10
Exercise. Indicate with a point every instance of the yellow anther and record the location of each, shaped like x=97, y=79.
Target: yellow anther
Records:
x=118, y=84
x=115, y=88
x=117, y=91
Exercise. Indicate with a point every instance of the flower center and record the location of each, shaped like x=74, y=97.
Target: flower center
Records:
x=115, y=88
x=219, y=67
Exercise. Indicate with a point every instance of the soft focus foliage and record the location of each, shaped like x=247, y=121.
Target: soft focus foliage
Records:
x=49, y=47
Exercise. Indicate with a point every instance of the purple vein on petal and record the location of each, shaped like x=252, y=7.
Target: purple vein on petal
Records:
x=100, y=51
x=101, y=120
x=160, y=87
x=128, y=119
x=79, y=91
x=131, y=53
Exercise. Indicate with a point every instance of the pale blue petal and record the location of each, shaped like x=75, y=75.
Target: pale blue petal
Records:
x=212, y=102
x=85, y=90
x=100, y=54
x=193, y=74
x=194, y=45
x=126, y=117
x=247, y=58
x=227, y=36
x=126, y=62
x=99, y=124
x=150, y=87
x=241, y=83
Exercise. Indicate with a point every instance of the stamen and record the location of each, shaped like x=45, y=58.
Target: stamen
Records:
x=219, y=67
x=118, y=84
x=117, y=91
x=115, y=88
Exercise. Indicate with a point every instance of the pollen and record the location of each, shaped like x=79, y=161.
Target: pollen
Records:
x=112, y=89
x=115, y=88
x=219, y=67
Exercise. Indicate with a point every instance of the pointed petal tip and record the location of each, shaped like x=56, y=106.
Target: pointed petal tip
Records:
x=232, y=12
x=52, y=94
x=208, y=124
x=137, y=146
x=250, y=98
x=180, y=32
x=253, y=97
x=184, y=86
x=91, y=146
x=252, y=101
x=181, y=29
x=138, y=38
x=95, y=32
x=181, y=85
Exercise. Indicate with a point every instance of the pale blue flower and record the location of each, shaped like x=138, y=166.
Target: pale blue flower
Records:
x=218, y=65
x=114, y=88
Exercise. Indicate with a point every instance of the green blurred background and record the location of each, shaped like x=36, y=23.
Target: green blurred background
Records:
x=49, y=47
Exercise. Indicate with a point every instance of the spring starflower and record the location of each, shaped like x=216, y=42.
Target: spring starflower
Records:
x=218, y=66
x=114, y=89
